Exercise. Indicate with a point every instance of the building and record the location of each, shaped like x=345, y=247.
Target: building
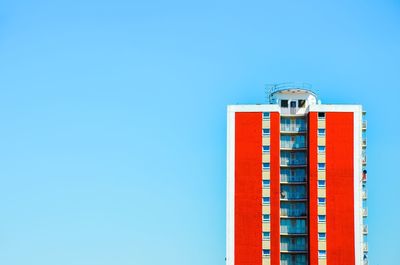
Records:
x=296, y=181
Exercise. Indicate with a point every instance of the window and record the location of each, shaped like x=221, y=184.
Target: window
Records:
x=321, y=253
x=321, y=201
x=266, y=252
x=302, y=103
x=266, y=131
x=321, y=115
x=265, y=165
x=321, y=183
x=321, y=132
x=321, y=218
x=292, y=104
x=266, y=235
x=321, y=166
x=265, y=183
x=321, y=236
x=265, y=200
x=265, y=217
x=321, y=149
x=265, y=148
x=265, y=115
x=284, y=103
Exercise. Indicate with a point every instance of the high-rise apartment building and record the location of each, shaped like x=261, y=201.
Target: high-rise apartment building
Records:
x=296, y=181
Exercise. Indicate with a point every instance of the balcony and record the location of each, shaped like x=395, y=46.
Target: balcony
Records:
x=293, y=179
x=364, y=125
x=294, y=259
x=285, y=111
x=287, y=195
x=285, y=212
x=286, y=247
x=293, y=162
x=365, y=212
x=364, y=142
x=364, y=195
x=292, y=145
x=364, y=159
x=364, y=176
x=365, y=229
x=365, y=247
x=293, y=230
x=293, y=128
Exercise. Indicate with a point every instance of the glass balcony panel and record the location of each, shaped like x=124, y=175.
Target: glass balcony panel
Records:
x=293, y=244
x=293, y=158
x=293, y=192
x=293, y=209
x=293, y=175
x=293, y=124
x=293, y=259
x=293, y=226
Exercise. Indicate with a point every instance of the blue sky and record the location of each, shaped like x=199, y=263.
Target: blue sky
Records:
x=113, y=118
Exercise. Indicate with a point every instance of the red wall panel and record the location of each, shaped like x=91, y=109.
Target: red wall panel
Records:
x=312, y=187
x=340, y=188
x=248, y=188
x=275, y=187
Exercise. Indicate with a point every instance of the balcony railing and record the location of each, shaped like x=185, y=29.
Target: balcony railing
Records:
x=364, y=142
x=293, y=230
x=364, y=176
x=292, y=145
x=365, y=247
x=292, y=162
x=287, y=195
x=289, y=178
x=364, y=125
x=293, y=247
x=297, y=260
x=365, y=229
x=364, y=194
x=293, y=128
x=365, y=212
x=293, y=212
x=292, y=111
x=364, y=159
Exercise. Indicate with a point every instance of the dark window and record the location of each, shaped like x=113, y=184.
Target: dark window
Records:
x=292, y=104
x=284, y=103
x=321, y=115
x=302, y=103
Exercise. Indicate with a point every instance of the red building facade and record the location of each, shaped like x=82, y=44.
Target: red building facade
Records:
x=296, y=182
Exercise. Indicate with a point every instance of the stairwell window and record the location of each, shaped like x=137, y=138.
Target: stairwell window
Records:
x=266, y=132
x=265, y=148
x=265, y=217
x=321, y=236
x=266, y=115
x=322, y=253
x=321, y=115
x=266, y=235
x=321, y=201
x=321, y=132
x=321, y=166
x=284, y=103
x=265, y=165
x=321, y=183
x=265, y=200
x=321, y=149
x=321, y=218
x=265, y=183
x=266, y=252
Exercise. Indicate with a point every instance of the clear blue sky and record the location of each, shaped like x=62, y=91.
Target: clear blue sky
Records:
x=113, y=118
